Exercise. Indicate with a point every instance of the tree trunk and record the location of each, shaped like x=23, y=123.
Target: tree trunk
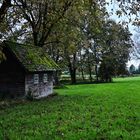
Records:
x=89, y=67
x=4, y=8
x=57, y=73
x=72, y=69
x=56, y=78
x=90, y=73
x=35, y=37
x=96, y=73
x=96, y=62
x=73, y=76
x=81, y=66
x=82, y=71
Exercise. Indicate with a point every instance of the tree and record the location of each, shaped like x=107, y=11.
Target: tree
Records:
x=70, y=35
x=132, y=69
x=128, y=9
x=41, y=17
x=91, y=27
x=115, y=50
x=85, y=24
x=3, y=11
x=71, y=47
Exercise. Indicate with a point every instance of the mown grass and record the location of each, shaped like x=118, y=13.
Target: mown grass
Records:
x=86, y=112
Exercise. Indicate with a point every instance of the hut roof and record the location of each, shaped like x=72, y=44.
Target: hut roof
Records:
x=33, y=59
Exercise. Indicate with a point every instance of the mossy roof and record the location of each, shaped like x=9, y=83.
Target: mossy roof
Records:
x=33, y=58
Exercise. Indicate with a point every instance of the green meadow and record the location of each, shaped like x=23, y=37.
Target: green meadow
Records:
x=79, y=112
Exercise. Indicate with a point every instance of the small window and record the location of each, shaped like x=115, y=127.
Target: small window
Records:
x=36, y=78
x=45, y=78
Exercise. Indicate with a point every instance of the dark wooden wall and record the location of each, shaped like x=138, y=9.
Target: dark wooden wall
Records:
x=12, y=77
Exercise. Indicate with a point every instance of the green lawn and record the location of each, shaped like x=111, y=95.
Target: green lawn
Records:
x=79, y=112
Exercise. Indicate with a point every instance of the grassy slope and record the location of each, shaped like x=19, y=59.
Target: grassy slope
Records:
x=87, y=112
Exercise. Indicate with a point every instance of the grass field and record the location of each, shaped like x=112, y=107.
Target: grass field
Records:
x=79, y=112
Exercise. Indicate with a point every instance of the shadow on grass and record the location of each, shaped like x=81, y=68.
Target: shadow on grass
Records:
x=59, y=99
x=115, y=80
x=127, y=80
x=85, y=82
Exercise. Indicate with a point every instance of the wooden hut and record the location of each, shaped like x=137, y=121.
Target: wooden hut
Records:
x=27, y=70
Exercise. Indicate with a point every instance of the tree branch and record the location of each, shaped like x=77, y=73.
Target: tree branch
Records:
x=3, y=10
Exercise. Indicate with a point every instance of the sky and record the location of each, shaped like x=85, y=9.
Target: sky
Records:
x=132, y=28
